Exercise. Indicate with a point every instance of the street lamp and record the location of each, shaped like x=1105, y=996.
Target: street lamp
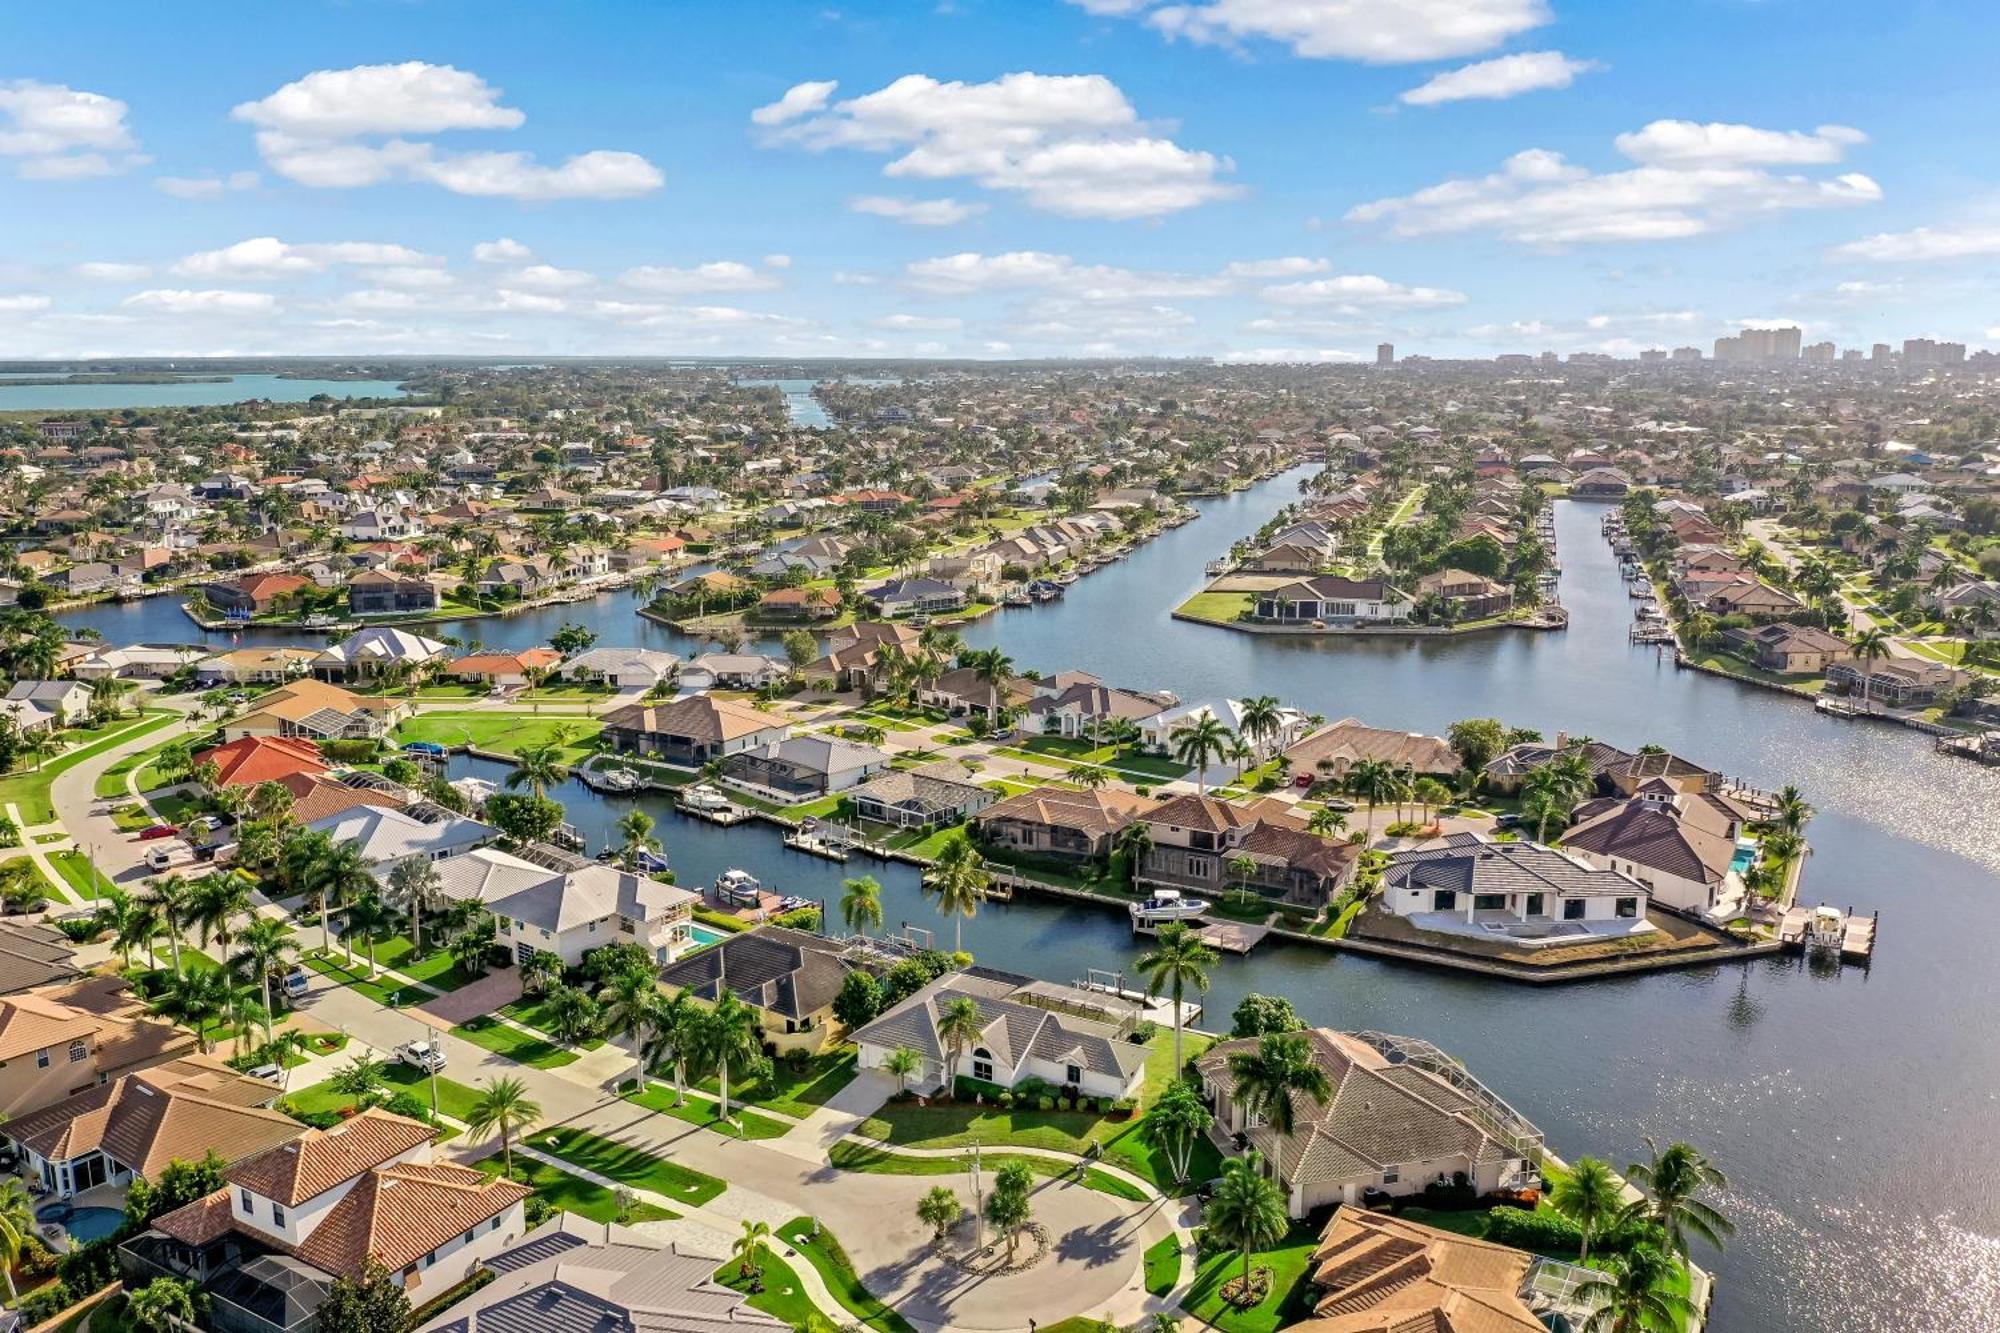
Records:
x=978, y=1206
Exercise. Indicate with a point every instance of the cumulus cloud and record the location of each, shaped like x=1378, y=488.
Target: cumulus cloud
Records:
x=725, y=275
x=205, y=187
x=1504, y=76
x=549, y=278
x=1691, y=179
x=919, y=323
x=1923, y=245
x=1067, y=144
x=23, y=303
x=1355, y=292
x=1376, y=31
x=1291, y=266
x=214, y=301
x=1022, y=269
x=801, y=99
x=916, y=212
x=321, y=130
x=55, y=132
x=269, y=257
x=506, y=250
x=109, y=271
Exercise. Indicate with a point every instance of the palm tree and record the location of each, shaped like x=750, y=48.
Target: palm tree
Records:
x=1671, y=1180
x=861, y=904
x=214, y=903
x=195, y=1000
x=1178, y=960
x=414, y=884
x=503, y=1108
x=959, y=881
x=1246, y=1210
x=366, y=916
x=1793, y=812
x=1259, y=717
x=17, y=1224
x=1589, y=1197
x=339, y=876
x=538, y=768
x=630, y=999
x=1135, y=840
x=1638, y=1296
x=750, y=1247
x=130, y=921
x=1326, y=821
x=1199, y=742
x=1870, y=645
x=958, y=1026
x=1374, y=781
x=727, y=1042
x=676, y=1032
x=635, y=835
x=994, y=667
x=904, y=1063
x=1268, y=1080
x=170, y=899
x=264, y=947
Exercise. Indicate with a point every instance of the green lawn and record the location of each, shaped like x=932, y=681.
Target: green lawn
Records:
x=783, y=1296
x=825, y=1254
x=30, y=789
x=506, y=733
x=75, y=869
x=379, y=989
x=1290, y=1297
x=513, y=1043
x=851, y=1156
x=574, y=1194
x=1222, y=608
x=700, y=1111
x=111, y=782
x=628, y=1165
x=796, y=1093
x=454, y=1099
x=1163, y=1265
x=435, y=968
x=534, y=1011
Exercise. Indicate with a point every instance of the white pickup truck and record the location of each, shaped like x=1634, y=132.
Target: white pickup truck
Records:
x=422, y=1054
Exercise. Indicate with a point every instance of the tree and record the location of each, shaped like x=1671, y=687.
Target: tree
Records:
x=1246, y=1211
x=1177, y=961
x=1199, y=742
x=264, y=949
x=626, y=1008
x=801, y=648
x=958, y=881
x=414, y=886
x=1268, y=1080
x=1429, y=792
x=170, y=899
x=958, y=1026
x=1259, y=1015
x=859, y=1000
x=1373, y=781
x=1639, y=1296
x=214, y=903
x=1589, y=1197
x=727, y=1043
x=523, y=818
x=372, y=1303
x=541, y=972
x=366, y=917
x=503, y=1108
x=1010, y=1206
x=751, y=1247
x=363, y=1078
x=163, y=1305
x=1243, y=866
x=574, y=1017
x=538, y=768
x=180, y=1183
x=337, y=877
x=1870, y=645
x=993, y=667
x=17, y=1224
x=1175, y=1122
x=635, y=835
x=905, y=1063
x=861, y=904
x=473, y=941
x=1477, y=741
x=1260, y=717
x=572, y=639
x=1135, y=841
x=1671, y=1181
x=130, y=923
x=939, y=1209
x=195, y=1000
x=675, y=1030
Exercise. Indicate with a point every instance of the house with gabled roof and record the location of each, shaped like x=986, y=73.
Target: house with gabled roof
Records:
x=1377, y=1273
x=59, y=1040
x=790, y=977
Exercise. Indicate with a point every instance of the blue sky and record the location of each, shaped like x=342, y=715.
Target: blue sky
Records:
x=1256, y=179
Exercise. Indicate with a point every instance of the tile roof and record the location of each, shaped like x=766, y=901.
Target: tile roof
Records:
x=792, y=973
x=1385, y=1273
x=1687, y=838
x=317, y=1160
x=255, y=759
x=698, y=717
x=1466, y=863
x=176, y=1110
x=1014, y=1031
x=1348, y=741
x=32, y=954
x=397, y=1214
x=1201, y=813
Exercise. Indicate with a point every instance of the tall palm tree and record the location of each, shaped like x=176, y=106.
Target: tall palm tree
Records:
x=366, y=916
x=414, y=886
x=130, y=921
x=1870, y=645
x=1199, y=742
x=958, y=881
x=17, y=1224
x=195, y=1000
x=1246, y=1210
x=958, y=1026
x=170, y=899
x=1671, y=1181
x=1589, y=1197
x=1178, y=960
x=1267, y=1080
x=214, y=904
x=676, y=1030
x=503, y=1108
x=993, y=667
x=635, y=835
x=630, y=998
x=727, y=1042
x=1793, y=812
x=1374, y=781
x=538, y=768
x=1135, y=840
x=1638, y=1296
x=861, y=904
x=263, y=949
x=1259, y=717
x=338, y=877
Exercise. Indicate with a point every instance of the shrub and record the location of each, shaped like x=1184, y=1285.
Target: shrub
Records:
x=409, y=1106
x=45, y=1305
x=1542, y=1232
x=1045, y=1103
x=350, y=751
x=79, y=932
x=1006, y=1100
x=317, y=1119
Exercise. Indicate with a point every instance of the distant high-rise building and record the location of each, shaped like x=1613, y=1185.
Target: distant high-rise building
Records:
x=1729, y=349
x=1653, y=354
x=1385, y=354
x=1513, y=359
x=1821, y=353
x=1851, y=354
x=1687, y=354
x=1926, y=352
x=1879, y=352
x=1549, y=359
x=1761, y=345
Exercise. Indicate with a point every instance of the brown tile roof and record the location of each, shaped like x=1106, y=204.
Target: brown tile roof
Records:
x=315, y=798
x=1688, y=839
x=34, y=955
x=255, y=759
x=177, y=1110
x=398, y=1214
x=1385, y=1273
x=1092, y=813
x=698, y=717
x=317, y=1160
x=1201, y=813
x=1347, y=741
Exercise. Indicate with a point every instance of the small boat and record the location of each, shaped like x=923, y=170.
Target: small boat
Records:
x=1018, y=598
x=319, y=621
x=1167, y=905
x=1066, y=578
x=739, y=888
x=701, y=796
x=621, y=779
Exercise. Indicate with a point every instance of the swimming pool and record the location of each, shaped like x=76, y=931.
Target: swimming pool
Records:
x=1746, y=856
x=703, y=936
x=83, y=1224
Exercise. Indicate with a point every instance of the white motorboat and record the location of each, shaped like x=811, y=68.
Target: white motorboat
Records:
x=621, y=779
x=739, y=888
x=701, y=796
x=1168, y=905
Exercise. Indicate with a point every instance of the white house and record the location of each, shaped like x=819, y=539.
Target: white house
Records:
x=65, y=702
x=622, y=668
x=569, y=913
x=386, y=836
x=1333, y=600
x=1520, y=892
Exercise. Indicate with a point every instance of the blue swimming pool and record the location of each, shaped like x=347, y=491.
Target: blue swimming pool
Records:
x=703, y=936
x=83, y=1224
x=1746, y=855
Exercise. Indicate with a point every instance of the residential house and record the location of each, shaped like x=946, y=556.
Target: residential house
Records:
x=1061, y=823
x=691, y=731
x=1399, y=1116
x=1029, y=1031
x=61, y=1039
x=379, y=593
x=1081, y=706
x=1471, y=595
x=370, y=652
x=256, y=666
x=386, y=835
x=1206, y=845
x=257, y=594
x=801, y=767
x=1681, y=846
x=622, y=668
x=817, y=603
x=570, y=912
x=315, y=710
x=790, y=977
x=252, y=760
x=1378, y=1273
x=915, y=596
x=857, y=654
x=918, y=797
x=139, y=661
x=64, y=703
x=1522, y=893
x=962, y=690
x=1600, y=483
x=1331, y=599
x=731, y=671
x=1760, y=601
x=1790, y=649
x=1335, y=748
x=503, y=668
x=1899, y=682
x=33, y=954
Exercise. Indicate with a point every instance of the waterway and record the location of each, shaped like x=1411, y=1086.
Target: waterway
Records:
x=192, y=393
x=800, y=405
x=1852, y=1110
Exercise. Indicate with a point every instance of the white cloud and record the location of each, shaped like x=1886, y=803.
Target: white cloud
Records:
x=916, y=212
x=548, y=278
x=1504, y=76
x=409, y=276
x=1923, y=245
x=506, y=250
x=211, y=302
x=205, y=187
x=1068, y=144
x=61, y=133
x=777, y=261
x=1278, y=356
x=314, y=131
x=23, y=303
x=1689, y=184
x=724, y=275
x=1354, y=292
x=1377, y=31
x=534, y=303
x=1291, y=266
x=269, y=257
x=919, y=323
x=1683, y=143
x=801, y=99
x=108, y=271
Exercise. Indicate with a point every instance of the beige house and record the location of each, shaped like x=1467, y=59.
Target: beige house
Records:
x=64, y=1039
x=1376, y=1273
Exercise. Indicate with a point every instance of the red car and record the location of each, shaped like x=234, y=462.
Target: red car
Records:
x=159, y=831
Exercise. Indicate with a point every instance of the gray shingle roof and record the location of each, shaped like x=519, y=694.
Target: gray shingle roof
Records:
x=1013, y=1031
x=1467, y=864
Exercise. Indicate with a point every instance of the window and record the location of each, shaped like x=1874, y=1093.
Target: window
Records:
x=78, y=1050
x=1489, y=902
x=1572, y=909
x=1444, y=900
x=249, y=1204
x=42, y=1058
x=277, y=1214
x=1628, y=908
x=1073, y=1073
x=1391, y=1174
x=1533, y=906
x=466, y=1239
x=982, y=1065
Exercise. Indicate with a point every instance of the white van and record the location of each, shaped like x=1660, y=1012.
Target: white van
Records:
x=168, y=853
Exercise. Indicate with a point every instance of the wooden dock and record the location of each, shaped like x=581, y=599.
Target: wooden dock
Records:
x=724, y=815
x=1830, y=932
x=817, y=844
x=1237, y=937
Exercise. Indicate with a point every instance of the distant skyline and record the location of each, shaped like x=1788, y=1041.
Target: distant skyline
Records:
x=1244, y=179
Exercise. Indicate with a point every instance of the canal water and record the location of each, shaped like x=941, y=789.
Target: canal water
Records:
x=1852, y=1110
x=191, y=393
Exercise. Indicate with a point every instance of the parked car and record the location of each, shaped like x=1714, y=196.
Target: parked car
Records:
x=269, y=1073
x=159, y=831
x=169, y=854
x=422, y=1054
x=296, y=981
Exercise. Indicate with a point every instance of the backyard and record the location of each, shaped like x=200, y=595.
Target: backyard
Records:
x=504, y=733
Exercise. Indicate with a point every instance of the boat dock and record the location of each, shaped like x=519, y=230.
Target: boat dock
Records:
x=828, y=843
x=1830, y=932
x=1154, y=1008
x=1237, y=937
x=725, y=814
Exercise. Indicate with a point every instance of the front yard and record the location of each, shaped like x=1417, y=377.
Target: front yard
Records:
x=628, y=1165
x=504, y=733
x=795, y=1091
x=574, y=1194
x=1288, y=1301
x=524, y=1048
